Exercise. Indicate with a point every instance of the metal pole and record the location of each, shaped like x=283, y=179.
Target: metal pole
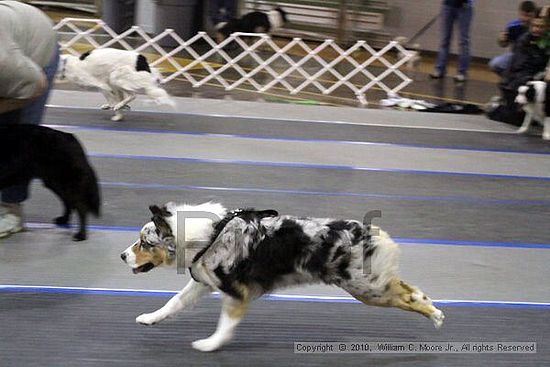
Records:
x=98, y=8
x=342, y=20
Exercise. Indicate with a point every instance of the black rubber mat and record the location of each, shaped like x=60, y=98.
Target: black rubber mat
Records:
x=301, y=130
x=90, y=330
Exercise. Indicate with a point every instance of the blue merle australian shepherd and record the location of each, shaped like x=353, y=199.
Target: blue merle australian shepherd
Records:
x=248, y=253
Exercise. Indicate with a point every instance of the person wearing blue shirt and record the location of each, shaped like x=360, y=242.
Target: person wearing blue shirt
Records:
x=461, y=12
x=514, y=30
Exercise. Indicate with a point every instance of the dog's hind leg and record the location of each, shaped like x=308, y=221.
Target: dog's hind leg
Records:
x=526, y=123
x=399, y=294
x=67, y=207
x=233, y=311
x=110, y=97
x=189, y=295
x=82, y=214
x=69, y=203
x=122, y=105
x=128, y=97
x=64, y=219
x=119, y=103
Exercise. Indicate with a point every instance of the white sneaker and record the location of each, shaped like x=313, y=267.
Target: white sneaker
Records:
x=437, y=75
x=10, y=220
x=460, y=78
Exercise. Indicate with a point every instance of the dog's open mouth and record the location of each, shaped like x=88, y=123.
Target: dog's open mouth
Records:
x=143, y=268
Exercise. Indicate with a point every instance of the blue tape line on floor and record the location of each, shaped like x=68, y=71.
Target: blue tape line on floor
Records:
x=271, y=297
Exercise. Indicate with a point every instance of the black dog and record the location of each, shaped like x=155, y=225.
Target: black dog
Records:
x=57, y=158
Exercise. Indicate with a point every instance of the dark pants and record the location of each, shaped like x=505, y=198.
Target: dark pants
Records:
x=30, y=114
x=451, y=15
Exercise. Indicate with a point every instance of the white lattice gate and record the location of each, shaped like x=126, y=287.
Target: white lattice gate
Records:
x=254, y=59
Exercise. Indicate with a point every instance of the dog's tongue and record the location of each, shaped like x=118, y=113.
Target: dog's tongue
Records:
x=143, y=268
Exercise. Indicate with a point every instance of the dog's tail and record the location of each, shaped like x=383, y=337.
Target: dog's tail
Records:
x=90, y=186
x=93, y=195
x=160, y=96
x=157, y=94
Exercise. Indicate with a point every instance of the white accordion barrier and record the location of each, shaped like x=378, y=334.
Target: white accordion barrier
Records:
x=258, y=60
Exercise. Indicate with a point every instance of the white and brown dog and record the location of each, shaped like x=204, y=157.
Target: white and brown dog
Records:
x=533, y=99
x=246, y=253
x=118, y=74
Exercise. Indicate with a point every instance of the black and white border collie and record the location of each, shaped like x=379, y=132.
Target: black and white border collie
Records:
x=118, y=74
x=535, y=101
x=248, y=253
x=254, y=22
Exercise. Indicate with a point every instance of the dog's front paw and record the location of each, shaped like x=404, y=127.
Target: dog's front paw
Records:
x=522, y=130
x=147, y=319
x=206, y=345
x=437, y=318
x=105, y=106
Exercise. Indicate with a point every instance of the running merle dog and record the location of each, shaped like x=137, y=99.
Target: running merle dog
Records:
x=247, y=253
x=56, y=157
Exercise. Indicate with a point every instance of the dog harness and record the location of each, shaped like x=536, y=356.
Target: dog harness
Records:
x=219, y=226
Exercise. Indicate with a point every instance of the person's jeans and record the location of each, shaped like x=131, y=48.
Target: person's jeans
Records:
x=450, y=16
x=30, y=114
x=500, y=63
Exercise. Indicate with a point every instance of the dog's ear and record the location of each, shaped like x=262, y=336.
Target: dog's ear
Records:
x=161, y=212
x=162, y=225
x=158, y=218
x=154, y=209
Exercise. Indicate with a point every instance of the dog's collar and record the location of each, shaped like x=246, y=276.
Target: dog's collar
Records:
x=219, y=226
